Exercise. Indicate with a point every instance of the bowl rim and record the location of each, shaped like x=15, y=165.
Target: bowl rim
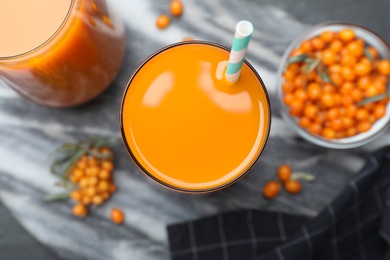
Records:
x=139, y=165
x=292, y=121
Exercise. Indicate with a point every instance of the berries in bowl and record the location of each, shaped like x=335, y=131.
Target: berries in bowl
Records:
x=333, y=85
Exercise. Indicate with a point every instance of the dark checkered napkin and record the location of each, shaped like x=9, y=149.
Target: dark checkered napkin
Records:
x=355, y=226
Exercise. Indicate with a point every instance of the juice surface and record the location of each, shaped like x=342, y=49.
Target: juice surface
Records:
x=26, y=24
x=189, y=129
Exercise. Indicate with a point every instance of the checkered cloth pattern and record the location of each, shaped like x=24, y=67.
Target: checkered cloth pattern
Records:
x=356, y=226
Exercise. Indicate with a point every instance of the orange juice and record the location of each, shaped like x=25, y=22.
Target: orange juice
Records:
x=59, y=53
x=188, y=128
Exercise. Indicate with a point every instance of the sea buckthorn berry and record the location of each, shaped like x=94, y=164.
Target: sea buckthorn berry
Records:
x=347, y=122
x=348, y=74
x=304, y=122
x=306, y=47
x=357, y=95
x=363, y=68
x=328, y=133
x=336, y=46
x=328, y=36
x=315, y=129
x=337, y=124
x=112, y=188
x=355, y=48
x=336, y=79
x=332, y=113
x=92, y=161
x=371, y=119
x=328, y=57
x=328, y=88
x=108, y=165
x=351, y=131
x=103, y=186
x=347, y=100
x=92, y=171
x=348, y=60
x=379, y=110
x=84, y=182
x=384, y=67
x=288, y=87
x=289, y=75
x=335, y=68
x=299, y=81
x=92, y=181
x=82, y=164
x=371, y=91
x=296, y=52
x=363, y=126
x=176, y=8
x=362, y=114
x=293, y=186
x=288, y=99
x=347, y=87
x=327, y=100
x=104, y=174
x=363, y=82
x=97, y=200
x=296, y=107
x=105, y=195
x=79, y=210
x=117, y=216
x=271, y=189
x=314, y=91
x=90, y=192
x=163, y=21
x=317, y=43
x=374, y=53
x=347, y=35
x=311, y=111
x=284, y=172
x=76, y=195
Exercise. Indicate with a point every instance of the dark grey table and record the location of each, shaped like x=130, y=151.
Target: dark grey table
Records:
x=16, y=243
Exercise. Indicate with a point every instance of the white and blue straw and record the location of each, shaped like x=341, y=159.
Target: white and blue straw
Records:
x=242, y=36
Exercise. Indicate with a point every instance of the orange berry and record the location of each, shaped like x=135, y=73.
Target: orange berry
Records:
x=347, y=35
x=113, y=188
x=371, y=119
x=336, y=46
x=289, y=75
x=327, y=36
x=347, y=100
x=384, y=67
x=332, y=113
x=105, y=195
x=90, y=191
x=288, y=99
x=304, y=122
x=337, y=79
x=92, y=181
x=108, y=165
x=284, y=172
x=374, y=53
x=363, y=82
x=79, y=210
x=271, y=189
x=328, y=88
x=314, y=91
x=328, y=133
x=348, y=74
x=293, y=186
x=163, y=21
x=347, y=122
x=357, y=94
x=335, y=68
x=296, y=52
x=86, y=200
x=82, y=164
x=379, y=110
x=355, y=48
x=97, y=200
x=103, y=186
x=371, y=91
x=351, y=131
x=347, y=87
x=104, y=174
x=327, y=100
x=296, y=107
x=363, y=68
x=306, y=46
x=84, y=182
x=311, y=111
x=299, y=81
x=348, y=60
x=92, y=161
x=117, y=216
x=176, y=8
x=92, y=171
x=315, y=129
x=362, y=114
x=337, y=124
x=74, y=179
x=328, y=57
x=317, y=43
x=76, y=195
x=83, y=158
x=363, y=126
x=340, y=134
x=288, y=87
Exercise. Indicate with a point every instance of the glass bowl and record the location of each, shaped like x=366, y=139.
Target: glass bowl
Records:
x=360, y=139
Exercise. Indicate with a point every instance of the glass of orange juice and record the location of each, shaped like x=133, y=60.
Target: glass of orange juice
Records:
x=59, y=53
x=185, y=126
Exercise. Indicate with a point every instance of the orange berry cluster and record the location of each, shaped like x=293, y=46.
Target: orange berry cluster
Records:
x=176, y=8
x=94, y=179
x=332, y=107
x=272, y=188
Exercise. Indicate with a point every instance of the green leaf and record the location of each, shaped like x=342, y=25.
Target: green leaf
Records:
x=372, y=99
x=302, y=176
x=312, y=65
x=56, y=196
x=297, y=59
x=367, y=53
x=101, y=155
x=323, y=73
x=98, y=141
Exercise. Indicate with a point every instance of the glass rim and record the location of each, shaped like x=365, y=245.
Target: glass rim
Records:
x=48, y=40
x=139, y=165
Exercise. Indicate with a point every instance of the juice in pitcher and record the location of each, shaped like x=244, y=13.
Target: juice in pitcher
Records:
x=188, y=128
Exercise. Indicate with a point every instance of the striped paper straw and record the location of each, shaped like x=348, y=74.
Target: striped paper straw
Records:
x=242, y=36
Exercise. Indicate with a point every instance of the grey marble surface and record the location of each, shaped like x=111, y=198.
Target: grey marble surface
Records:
x=28, y=132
